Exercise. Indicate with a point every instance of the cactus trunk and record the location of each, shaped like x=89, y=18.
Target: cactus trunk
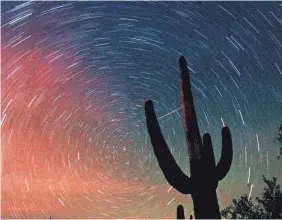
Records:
x=206, y=205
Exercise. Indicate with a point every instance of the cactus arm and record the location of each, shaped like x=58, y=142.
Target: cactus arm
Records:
x=193, y=137
x=168, y=165
x=225, y=161
x=180, y=212
x=208, y=151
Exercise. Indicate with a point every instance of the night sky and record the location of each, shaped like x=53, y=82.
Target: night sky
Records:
x=76, y=75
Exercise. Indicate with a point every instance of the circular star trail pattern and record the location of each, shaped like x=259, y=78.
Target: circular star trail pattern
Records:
x=75, y=76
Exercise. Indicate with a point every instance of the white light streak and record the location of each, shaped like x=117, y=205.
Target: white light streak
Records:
x=241, y=117
x=26, y=183
x=21, y=41
x=61, y=202
x=206, y=118
x=169, y=113
x=32, y=101
x=278, y=69
x=11, y=74
x=246, y=155
x=222, y=122
x=258, y=142
x=7, y=106
x=250, y=194
x=169, y=189
x=267, y=164
x=249, y=175
x=170, y=201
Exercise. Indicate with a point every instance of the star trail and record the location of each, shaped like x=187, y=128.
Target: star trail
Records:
x=76, y=75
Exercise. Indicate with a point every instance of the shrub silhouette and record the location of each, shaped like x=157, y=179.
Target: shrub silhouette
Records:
x=205, y=174
x=268, y=206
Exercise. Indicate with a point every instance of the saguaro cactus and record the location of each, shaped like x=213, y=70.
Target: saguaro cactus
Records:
x=180, y=212
x=205, y=174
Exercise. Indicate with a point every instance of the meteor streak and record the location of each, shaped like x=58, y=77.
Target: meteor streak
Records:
x=267, y=164
x=242, y=117
x=170, y=113
x=249, y=175
x=258, y=142
x=251, y=191
x=170, y=201
x=245, y=154
x=222, y=122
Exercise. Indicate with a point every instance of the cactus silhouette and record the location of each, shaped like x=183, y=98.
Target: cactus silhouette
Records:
x=180, y=212
x=205, y=174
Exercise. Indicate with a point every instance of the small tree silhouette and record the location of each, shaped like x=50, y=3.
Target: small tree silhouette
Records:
x=268, y=206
